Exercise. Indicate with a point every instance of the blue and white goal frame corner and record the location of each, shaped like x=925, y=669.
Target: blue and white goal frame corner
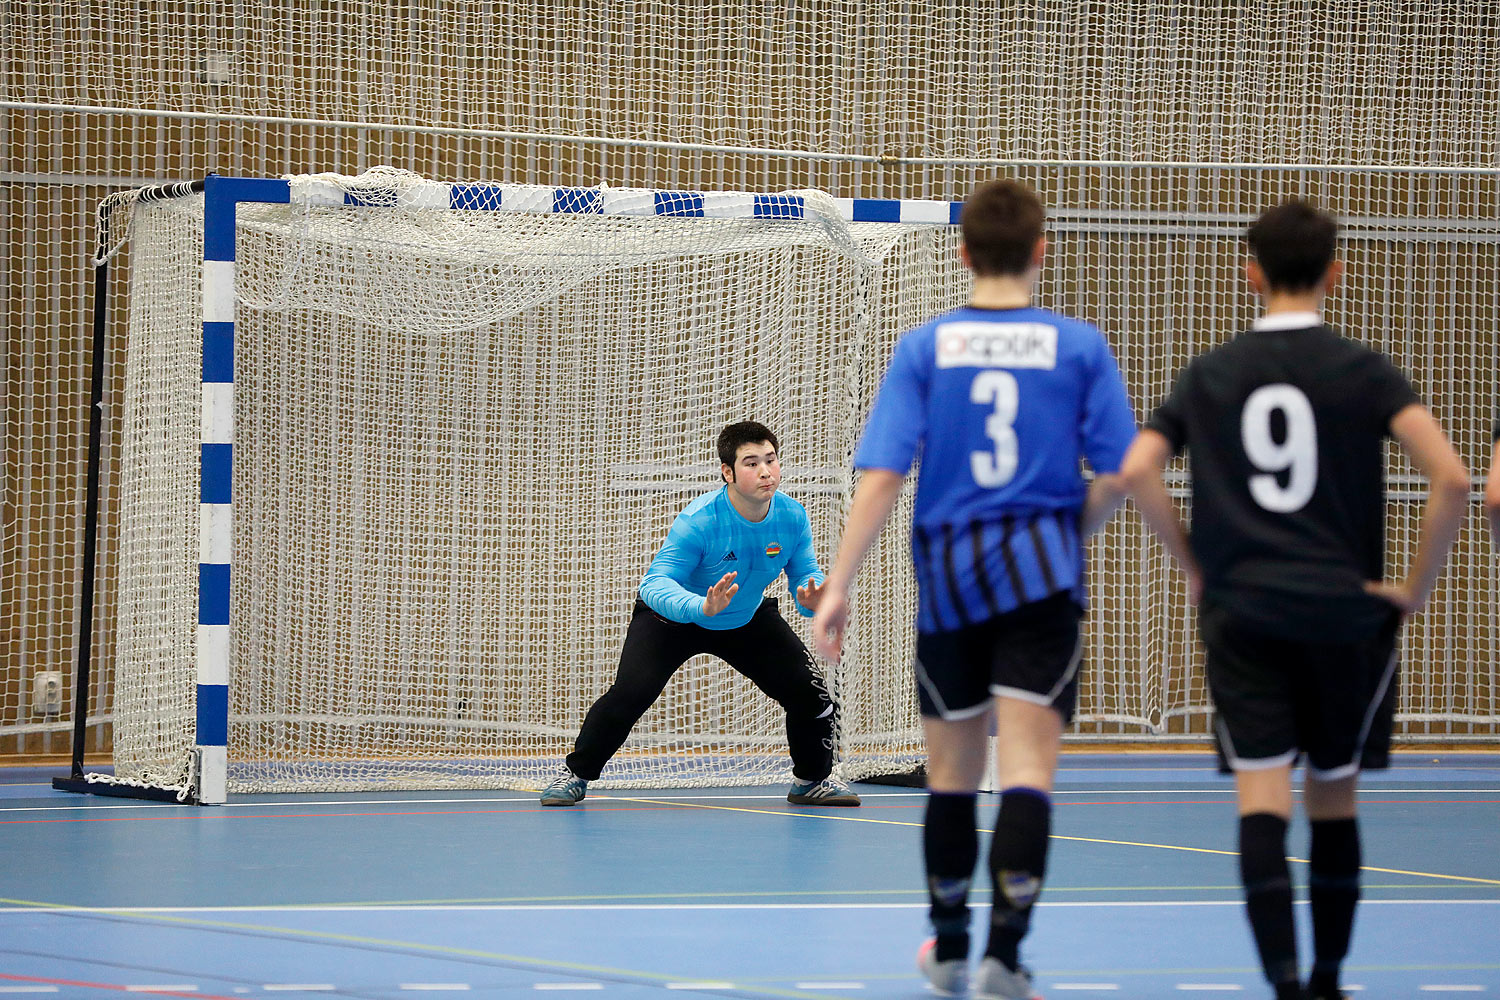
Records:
x=222, y=197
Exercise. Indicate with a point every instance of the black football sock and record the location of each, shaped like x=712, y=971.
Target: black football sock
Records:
x=950, y=844
x=1268, y=896
x=1018, y=864
x=1333, y=886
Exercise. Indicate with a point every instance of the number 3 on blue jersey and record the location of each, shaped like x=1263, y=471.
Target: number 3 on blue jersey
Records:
x=996, y=467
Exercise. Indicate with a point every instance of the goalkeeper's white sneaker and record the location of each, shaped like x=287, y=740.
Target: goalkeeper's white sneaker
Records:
x=950, y=978
x=566, y=789
x=830, y=791
x=994, y=981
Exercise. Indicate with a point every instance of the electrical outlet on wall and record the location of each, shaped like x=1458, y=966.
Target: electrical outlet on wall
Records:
x=47, y=692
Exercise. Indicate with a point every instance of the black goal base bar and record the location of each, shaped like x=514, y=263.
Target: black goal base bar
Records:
x=915, y=778
x=87, y=787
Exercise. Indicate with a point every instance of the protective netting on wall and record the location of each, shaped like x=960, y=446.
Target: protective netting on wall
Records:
x=1269, y=81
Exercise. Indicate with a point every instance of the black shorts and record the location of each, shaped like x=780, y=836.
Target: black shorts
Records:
x=1030, y=653
x=1277, y=699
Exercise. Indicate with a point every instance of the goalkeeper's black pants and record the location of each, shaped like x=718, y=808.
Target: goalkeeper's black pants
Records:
x=764, y=649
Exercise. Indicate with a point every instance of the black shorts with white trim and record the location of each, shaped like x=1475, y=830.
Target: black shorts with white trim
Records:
x=1031, y=653
x=1277, y=699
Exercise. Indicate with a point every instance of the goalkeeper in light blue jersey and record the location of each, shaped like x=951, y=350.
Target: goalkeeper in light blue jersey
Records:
x=1002, y=401
x=704, y=593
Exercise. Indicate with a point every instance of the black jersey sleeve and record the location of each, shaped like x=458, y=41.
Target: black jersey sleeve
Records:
x=1389, y=390
x=1170, y=418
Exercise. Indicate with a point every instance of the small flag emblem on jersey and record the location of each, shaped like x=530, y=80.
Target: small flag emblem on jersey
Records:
x=773, y=549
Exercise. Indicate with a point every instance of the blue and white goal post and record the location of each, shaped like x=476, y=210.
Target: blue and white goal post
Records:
x=223, y=197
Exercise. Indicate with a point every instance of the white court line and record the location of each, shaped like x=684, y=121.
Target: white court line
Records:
x=1211, y=987
x=1085, y=986
x=580, y=907
x=628, y=795
x=700, y=986
x=567, y=986
x=28, y=989
x=298, y=987
x=622, y=795
x=436, y=987
x=168, y=988
x=1452, y=988
x=830, y=986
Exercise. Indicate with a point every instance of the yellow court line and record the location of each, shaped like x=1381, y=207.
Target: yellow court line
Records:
x=539, y=964
x=1086, y=840
x=1455, y=878
x=1298, y=861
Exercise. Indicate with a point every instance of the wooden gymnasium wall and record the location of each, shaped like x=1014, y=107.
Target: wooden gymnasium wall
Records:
x=888, y=80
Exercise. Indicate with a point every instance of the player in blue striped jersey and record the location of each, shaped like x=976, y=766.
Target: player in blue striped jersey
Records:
x=704, y=592
x=1000, y=400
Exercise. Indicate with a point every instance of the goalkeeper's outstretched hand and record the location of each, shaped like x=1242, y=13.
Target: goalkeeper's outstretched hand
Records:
x=719, y=595
x=810, y=594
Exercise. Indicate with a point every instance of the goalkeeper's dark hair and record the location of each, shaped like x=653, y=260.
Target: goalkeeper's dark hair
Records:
x=1002, y=222
x=1294, y=245
x=736, y=435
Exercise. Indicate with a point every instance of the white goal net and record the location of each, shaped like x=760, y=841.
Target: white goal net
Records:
x=460, y=435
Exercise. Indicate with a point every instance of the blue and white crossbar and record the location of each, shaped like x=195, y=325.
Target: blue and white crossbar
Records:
x=223, y=195
x=540, y=200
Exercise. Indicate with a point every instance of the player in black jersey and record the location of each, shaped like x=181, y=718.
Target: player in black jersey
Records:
x=1284, y=426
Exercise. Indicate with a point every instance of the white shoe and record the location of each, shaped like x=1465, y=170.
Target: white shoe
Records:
x=994, y=981
x=566, y=790
x=950, y=978
x=830, y=791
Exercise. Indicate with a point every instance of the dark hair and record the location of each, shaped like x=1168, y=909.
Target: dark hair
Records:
x=1002, y=221
x=733, y=437
x=1294, y=244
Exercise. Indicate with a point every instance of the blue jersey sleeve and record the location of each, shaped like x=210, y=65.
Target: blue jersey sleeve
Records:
x=802, y=566
x=662, y=587
x=898, y=420
x=1108, y=421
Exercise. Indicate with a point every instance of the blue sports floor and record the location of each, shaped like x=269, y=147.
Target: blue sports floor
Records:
x=728, y=892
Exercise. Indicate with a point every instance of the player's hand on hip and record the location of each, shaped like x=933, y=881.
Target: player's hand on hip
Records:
x=829, y=623
x=1403, y=595
x=720, y=594
x=810, y=594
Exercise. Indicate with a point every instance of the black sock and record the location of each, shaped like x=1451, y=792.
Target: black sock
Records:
x=1333, y=886
x=1018, y=863
x=950, y=844
x=1268, y=895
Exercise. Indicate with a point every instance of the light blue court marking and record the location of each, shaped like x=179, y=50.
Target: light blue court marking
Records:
x=496, y=893
x=1144, y=951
